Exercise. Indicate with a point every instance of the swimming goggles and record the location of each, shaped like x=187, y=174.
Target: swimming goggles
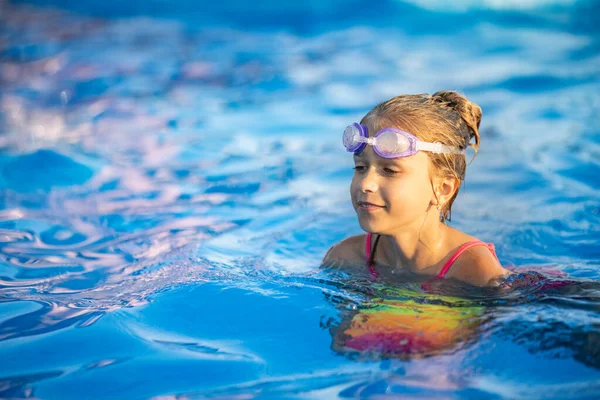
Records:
x=391, y=142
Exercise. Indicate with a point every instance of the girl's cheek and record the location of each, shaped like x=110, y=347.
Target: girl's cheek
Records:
x=355, y=183
x=353, y=189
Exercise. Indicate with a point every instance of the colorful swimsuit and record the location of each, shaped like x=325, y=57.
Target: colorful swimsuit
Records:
x=407, y=323
x=403, y=323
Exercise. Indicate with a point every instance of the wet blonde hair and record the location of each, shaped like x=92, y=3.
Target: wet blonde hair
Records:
x=446, y=117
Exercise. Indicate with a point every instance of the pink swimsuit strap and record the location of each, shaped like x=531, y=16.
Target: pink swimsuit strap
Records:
x=445, y=268
x=461, y=250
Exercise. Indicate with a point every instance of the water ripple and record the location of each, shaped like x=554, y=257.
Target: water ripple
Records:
x=142, y=155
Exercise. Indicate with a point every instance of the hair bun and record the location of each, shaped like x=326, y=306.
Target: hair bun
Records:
x=468, y=111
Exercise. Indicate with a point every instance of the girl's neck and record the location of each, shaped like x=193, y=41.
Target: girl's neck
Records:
x=416, y=247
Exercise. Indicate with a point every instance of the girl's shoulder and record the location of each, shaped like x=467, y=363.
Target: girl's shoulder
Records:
x=477, y=265
x=346, y=253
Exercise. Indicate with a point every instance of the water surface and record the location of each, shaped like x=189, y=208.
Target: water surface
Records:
x=171, y=176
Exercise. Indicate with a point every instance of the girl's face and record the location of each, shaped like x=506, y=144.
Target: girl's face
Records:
x=390, y=194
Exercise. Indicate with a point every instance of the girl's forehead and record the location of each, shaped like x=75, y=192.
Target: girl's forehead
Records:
x=374, y=125
x=418, y=160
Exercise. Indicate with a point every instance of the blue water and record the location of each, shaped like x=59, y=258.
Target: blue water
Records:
x=171, y=176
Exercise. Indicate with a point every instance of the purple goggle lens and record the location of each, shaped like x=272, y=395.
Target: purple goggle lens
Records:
x=352, y=135
x=387, y=143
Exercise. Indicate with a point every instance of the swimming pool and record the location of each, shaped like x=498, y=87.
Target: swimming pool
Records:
x=170, y=178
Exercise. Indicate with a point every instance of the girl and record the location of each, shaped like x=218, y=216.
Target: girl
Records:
x=409, y=156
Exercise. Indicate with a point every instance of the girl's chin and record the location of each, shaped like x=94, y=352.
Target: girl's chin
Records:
x=380, y=226
x=370, y=226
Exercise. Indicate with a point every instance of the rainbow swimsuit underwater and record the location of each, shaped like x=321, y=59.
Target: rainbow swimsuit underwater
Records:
x=417, y=324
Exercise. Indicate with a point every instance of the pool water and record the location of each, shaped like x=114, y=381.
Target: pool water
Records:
x=172, y=175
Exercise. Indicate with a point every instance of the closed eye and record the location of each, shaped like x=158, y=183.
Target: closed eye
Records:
x=390, y=171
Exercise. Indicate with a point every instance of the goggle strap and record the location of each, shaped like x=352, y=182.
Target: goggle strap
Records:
x=438, y=148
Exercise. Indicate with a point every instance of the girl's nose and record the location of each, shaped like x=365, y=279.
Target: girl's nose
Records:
x=369, y=182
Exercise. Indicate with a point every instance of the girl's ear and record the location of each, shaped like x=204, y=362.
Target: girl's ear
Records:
x=445, y=189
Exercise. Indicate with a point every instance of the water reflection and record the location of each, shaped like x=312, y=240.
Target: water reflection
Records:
x=403, y=322
x=405, y=325
x=19, y=387
x=142, y=154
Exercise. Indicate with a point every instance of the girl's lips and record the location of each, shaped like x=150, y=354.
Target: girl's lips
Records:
x=366, y=206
